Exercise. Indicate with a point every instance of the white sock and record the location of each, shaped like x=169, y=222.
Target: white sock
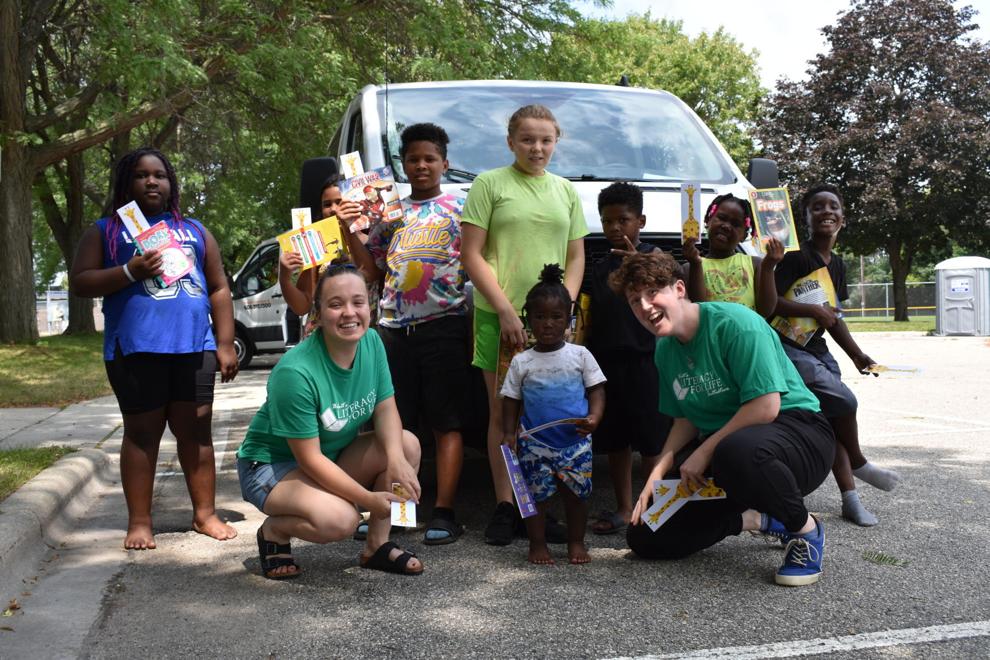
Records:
x=877, y=476
x=853, y=509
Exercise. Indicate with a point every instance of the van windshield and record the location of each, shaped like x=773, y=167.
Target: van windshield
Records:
x=618, y=134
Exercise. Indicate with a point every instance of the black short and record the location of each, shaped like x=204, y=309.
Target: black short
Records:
x=148, y=381
x=430, y=363
x=631, y=396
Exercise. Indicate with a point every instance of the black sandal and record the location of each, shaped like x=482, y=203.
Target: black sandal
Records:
x=441, y=524
x=274, y=556
x=381, y=562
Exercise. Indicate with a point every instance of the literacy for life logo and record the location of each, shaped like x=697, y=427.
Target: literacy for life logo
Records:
x=708, y=384
x=336, y=416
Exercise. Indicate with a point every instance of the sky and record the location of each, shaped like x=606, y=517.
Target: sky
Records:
x=785, y=32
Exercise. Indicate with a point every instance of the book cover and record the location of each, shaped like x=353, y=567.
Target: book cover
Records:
x=316, y=243
x=506, y=352
x=772, y=208
x=524, y=499
x=815, y=288
x=690, y=210
x=175, y=262
x=375, y=191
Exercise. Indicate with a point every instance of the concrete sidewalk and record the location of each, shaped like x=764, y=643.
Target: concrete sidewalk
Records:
x=35, y=518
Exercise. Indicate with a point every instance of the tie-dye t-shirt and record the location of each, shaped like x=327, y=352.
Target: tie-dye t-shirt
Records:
x=552, y=386
x=421, y=258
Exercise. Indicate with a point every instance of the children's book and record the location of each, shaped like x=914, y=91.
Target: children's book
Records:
x=403, y=513
x=528, y=433
x=582, y=319
x=690, y=210
x=669, y=495
x=506, y=352
x=772, y=208
x=524, y=499
x=316, y=243
x=175, y=262
x=377, y=195
x=815, y=288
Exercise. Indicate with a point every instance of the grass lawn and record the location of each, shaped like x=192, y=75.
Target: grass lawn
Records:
x=54, y=371
x=887, y=324
x=18, y=466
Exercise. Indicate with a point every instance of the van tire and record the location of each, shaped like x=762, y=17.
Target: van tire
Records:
x=243, y=348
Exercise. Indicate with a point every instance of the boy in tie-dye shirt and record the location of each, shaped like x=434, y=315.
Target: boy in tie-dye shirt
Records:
x=423, y=322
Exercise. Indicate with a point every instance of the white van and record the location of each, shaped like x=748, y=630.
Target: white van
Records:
x=610, y=133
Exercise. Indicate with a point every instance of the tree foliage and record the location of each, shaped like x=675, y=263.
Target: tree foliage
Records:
x=712, y=73
x=897, y=113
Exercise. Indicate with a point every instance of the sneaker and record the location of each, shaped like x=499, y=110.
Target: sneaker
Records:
x=803, y=559
x=502, y=526
x=775, y=532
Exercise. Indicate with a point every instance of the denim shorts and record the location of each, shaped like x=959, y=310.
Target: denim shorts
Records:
x=257, y=479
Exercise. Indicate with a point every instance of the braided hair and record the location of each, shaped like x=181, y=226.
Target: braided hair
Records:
x=550, y=287
x=743, y=204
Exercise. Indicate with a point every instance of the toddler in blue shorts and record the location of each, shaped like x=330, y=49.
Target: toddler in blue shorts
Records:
x=553, y=380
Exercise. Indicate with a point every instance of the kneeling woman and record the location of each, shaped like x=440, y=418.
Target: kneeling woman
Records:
x=741, y=414
x=303, y=462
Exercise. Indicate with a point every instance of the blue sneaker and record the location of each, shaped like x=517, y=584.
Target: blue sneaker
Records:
x=803, y=559
x=775, y=531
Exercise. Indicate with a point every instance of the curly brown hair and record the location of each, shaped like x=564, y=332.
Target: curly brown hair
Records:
x=644, y=270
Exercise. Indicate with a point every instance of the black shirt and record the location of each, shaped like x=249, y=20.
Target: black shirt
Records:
x=796, y=265
x=614, y=327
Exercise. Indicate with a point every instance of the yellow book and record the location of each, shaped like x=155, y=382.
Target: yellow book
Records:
x=317, y=243
x=815, y=288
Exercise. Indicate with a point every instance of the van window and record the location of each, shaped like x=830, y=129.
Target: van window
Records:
x=619, y=134
x=260, y=273
x=355, y=135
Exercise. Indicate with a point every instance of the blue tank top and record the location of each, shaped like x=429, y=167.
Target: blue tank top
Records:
x=142, y=318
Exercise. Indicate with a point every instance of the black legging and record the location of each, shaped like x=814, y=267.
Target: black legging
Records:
x=768, y=467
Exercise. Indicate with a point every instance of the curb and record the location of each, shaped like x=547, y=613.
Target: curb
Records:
x=34, y=516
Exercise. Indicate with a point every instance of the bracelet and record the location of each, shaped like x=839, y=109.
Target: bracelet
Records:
x=127, y=272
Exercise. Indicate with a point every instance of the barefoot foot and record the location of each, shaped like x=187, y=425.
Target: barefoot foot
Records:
x=577, y=553
x=214, y=527
x=540, y=554
x=139, y=537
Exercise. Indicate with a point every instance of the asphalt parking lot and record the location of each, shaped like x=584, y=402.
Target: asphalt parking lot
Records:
x=927, y=597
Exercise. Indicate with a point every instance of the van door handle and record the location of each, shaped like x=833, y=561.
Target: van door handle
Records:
x=276, y=295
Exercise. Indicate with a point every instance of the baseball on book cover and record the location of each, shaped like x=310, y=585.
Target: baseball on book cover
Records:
x=375, y=191
x=317, y=243
x=175, y=262
x=815, y=288
x=772, y=208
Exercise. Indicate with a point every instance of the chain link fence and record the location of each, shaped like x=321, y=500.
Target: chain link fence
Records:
x=52, y=312
x=877, y=299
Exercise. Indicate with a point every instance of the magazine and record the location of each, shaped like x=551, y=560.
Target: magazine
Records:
x=524, y=499
x=375, y=191
x=815, y=288
x=772, y=208
x=316, y=243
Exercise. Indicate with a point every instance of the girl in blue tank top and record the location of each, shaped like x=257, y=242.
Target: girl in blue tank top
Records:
x=160, y=352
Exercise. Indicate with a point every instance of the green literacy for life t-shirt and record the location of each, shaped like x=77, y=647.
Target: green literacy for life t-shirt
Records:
x=310, y=396
x=529, y=220
x=734, y=357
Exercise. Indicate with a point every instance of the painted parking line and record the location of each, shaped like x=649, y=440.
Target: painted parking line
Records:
x=844, y=644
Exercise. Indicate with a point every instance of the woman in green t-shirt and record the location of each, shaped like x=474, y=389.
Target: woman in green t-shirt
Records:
x=741, y=414
x=303, y=461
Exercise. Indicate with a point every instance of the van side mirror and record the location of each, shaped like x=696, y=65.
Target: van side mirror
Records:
x=763, y=173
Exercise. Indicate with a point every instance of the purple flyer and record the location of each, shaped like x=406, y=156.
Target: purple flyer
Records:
x=527, y=507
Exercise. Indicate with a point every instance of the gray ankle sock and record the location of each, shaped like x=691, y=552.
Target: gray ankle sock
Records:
x=877, y=476
x=853, y=509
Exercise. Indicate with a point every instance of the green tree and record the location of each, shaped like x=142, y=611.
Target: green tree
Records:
x=712, y=73
x=897, y=113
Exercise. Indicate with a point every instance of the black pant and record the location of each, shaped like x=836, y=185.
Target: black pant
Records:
x=768, y=467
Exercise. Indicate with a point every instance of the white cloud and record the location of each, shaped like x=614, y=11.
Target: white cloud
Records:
x=786, y=34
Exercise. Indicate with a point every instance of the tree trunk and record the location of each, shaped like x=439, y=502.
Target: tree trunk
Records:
x=80, y=309
x=900, y=267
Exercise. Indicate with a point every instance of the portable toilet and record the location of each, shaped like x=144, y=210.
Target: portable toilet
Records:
x=962, y=297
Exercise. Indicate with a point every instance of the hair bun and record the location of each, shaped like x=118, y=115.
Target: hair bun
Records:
x=552, y=274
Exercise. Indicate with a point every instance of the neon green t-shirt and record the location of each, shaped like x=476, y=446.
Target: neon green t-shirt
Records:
x=310, y=396
x=734, y=357
x=529, y=220
x=730, y=279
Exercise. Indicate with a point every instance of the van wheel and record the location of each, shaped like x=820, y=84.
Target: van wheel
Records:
x=244, y=350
